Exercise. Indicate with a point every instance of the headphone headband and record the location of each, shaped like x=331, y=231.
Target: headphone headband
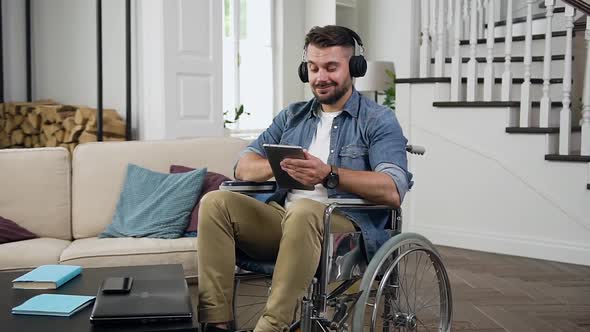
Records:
x=357, y=64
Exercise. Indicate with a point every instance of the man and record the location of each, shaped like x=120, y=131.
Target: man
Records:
x=354, y=146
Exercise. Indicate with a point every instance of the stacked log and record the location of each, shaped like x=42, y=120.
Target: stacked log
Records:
x=49, y=124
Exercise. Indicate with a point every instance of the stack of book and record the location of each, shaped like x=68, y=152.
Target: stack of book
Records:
x=50, y=277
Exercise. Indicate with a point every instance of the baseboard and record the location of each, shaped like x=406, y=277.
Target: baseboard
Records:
x=565, y=252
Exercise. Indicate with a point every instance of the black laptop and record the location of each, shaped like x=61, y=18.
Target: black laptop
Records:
x=149, y=301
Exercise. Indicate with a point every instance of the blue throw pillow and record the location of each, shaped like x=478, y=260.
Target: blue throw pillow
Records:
x=155, y=204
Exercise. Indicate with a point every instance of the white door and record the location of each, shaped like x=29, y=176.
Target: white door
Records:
x=193, y=68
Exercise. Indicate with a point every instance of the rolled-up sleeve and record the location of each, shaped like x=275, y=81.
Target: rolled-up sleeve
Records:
x=399, y=177
x=387, y=151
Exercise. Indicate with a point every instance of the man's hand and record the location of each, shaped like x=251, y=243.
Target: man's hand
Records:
x=309, y=171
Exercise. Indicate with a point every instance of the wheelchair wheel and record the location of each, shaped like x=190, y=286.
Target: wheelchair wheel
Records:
x=405, y=288
x=250, y=298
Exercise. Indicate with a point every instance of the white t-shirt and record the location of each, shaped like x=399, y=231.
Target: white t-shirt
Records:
x=319, y=147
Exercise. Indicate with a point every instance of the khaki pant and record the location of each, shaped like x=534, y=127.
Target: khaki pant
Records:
x=264, y=231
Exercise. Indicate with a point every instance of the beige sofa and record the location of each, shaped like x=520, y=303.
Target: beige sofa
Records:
x=67, y=203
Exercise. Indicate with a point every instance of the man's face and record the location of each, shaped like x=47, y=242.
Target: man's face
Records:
x=328, y=73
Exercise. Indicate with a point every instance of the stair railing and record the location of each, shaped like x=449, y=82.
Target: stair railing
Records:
x=425, y=42
x=525, y=87
x=507, y=75
x=445, y=22
x=565, y=116
x=545, y=107
x=457, y=60
x=488, y=78
x=472, y=64
x=585, y=123
x=441, y=40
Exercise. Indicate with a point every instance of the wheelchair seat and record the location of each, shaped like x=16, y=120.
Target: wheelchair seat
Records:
x=247, y=263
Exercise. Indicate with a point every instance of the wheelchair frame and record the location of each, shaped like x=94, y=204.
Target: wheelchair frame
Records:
x=314, y=305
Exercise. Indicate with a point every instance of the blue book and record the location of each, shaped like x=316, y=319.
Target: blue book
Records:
x=53, y=305
x=47, y=277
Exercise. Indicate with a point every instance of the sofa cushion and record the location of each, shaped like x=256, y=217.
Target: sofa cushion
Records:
x=98, y=171
x=212, y=182
x=11, y=231
x=155, y=204
x=95, y=252
x=36, y=190
x=31, y=253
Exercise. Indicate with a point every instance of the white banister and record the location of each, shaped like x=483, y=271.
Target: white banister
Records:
x=480, y=19
x=439, y=55
x=525, y=88
x=457, y=61
x=450, y=12
x=466, y=19
x=546, y=99
x=488, y=78
x=425, y=44
x=472, y=65
x=585, y=122
x=433, y=13
x=507, y=75
x=565, y=116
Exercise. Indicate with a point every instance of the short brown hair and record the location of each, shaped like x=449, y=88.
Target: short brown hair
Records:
x=331, y=35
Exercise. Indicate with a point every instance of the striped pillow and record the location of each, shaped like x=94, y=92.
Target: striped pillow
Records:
x=11, y=232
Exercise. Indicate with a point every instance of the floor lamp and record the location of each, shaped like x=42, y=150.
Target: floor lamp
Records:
x=376, y=79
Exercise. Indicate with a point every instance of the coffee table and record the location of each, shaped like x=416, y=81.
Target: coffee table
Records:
x=86, y=283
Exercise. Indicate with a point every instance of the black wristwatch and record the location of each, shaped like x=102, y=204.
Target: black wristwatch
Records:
x=332, y=180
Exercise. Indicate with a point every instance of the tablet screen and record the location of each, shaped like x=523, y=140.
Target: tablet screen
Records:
x=275, y=154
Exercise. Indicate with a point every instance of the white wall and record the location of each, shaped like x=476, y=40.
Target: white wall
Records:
x=13, y=15
x=480, y=188
x=388, y=28
x=64, y=52
x=289, y=36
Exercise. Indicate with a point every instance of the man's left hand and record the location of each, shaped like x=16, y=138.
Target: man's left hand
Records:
x=309, y=171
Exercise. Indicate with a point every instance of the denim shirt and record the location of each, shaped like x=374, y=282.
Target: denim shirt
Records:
x=366, y=136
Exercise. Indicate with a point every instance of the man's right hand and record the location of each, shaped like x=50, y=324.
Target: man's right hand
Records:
x=253, y=167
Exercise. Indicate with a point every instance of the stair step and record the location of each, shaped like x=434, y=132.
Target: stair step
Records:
x=537, y=130
x=522, y=19
x=502, y=59
x=423, y=80
x=497, y=80
x=568, y=157
x=484, y=104
x=499, y=40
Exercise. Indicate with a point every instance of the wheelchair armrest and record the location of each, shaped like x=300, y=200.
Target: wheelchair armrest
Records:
x=343, y=202
x=249, y=186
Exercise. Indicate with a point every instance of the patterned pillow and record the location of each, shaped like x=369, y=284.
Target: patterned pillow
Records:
x=155, y=204
x=11, y=232
x=212, y=182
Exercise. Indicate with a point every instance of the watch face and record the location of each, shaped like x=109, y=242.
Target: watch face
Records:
x=332, y=182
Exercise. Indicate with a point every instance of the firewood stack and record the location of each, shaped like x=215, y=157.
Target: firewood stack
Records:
x=47, y=123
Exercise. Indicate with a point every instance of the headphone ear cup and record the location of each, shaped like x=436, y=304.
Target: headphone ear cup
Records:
x=302, y=71
x=358, y=66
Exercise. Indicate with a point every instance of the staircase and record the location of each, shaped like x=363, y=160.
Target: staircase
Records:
x=503, y=104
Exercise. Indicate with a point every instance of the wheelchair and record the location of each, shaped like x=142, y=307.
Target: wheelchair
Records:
x=404, y=287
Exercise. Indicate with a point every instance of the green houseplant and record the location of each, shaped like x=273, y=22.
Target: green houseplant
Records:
x=238, y=112
x=389, y=100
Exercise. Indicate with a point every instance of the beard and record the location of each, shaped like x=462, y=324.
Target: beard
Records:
x=335, y=96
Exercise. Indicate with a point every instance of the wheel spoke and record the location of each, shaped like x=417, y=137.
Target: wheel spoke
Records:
x=397, y=275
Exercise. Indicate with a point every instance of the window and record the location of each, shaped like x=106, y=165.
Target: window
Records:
x=247, y=63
